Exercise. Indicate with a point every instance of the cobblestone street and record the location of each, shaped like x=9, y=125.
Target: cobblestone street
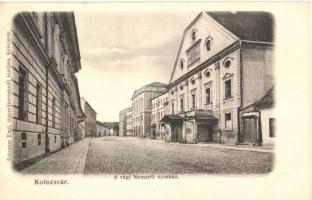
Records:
x=135, y=155
x=124, y=155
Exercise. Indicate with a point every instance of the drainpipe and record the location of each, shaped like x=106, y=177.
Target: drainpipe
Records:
x=241, y=93
x=47, y=149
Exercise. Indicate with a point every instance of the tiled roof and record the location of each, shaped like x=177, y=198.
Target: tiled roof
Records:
x=148, y=86
x=254, y=26
x=267, y=101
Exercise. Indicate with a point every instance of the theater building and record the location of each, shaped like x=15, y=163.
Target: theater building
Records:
x=142, y=107
x=158, y=112
x=45, y=94
x=224, y=63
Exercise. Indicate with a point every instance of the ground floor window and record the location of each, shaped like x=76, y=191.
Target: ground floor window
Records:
x=24, y=139
x=39, y=139
x=272, y=127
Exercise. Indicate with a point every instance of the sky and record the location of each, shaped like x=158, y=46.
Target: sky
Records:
x=123, y=51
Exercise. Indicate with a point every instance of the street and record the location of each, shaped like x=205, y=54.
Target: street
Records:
x=135, y=155
x=132, y=155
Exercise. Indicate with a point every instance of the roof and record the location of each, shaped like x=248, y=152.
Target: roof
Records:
x=78, y=98
x=267, y=101
x=254, y=26
x=89, y=106
x=147, y=88
x=171, y=118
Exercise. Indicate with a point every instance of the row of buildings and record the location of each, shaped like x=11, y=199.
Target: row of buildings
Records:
x=221, y=88
x=48, y=112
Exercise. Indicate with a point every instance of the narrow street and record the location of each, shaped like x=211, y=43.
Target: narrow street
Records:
x=124, y=155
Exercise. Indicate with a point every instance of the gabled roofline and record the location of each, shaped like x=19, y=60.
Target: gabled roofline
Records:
x=189, y=26
x=182, y=41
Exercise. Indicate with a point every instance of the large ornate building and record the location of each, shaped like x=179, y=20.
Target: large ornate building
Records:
x=142, y=107
x=224, y=64
x=45, y=58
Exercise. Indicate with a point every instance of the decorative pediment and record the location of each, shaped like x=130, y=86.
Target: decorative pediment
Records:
x=227, y=76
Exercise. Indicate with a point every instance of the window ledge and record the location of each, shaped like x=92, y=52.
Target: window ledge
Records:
x=228, y=98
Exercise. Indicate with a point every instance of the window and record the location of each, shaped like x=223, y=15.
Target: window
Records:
x=193, y=81
x=272, y=127
x=53, y=111
x=181, y=87
x=55, y=139
x=193, y=35
x=228, y=89
x=38, y=103
x=208, y=96
x=207, y=73
x=181, y=104
x=228, y=120
x=24, y=139
x=227, y=63
x=193, y=101
x=39, y=139
x=22, y=92
x=181, y=64
x=208, y=43
x=172, y=108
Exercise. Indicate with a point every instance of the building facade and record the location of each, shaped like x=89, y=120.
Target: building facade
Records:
x=129, y=123
x=90, y=121
x=159, y=104
x=123, y=121
x=142, y=107
x=45, y=58
x=224, y=63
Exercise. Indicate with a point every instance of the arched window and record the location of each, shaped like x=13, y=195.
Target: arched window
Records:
x=208, y=43
x=227, y=62
x=193, y=81
x=207, y=73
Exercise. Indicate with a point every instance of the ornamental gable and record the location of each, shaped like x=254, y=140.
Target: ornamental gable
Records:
x=201, y=40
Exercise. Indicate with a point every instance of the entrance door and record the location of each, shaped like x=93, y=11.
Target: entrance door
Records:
x=249, y=130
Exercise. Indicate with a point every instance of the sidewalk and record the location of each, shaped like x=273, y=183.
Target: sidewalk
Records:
x=70, y=160
x=265, y=148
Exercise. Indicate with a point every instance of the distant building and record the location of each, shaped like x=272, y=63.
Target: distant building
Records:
x=90, y=123
x=159, y=104
x=113, y=128
x=129, y=123
x=45, y=58
x=142, y=108
x=224, y=64
x=123, y=121
x=101, y=129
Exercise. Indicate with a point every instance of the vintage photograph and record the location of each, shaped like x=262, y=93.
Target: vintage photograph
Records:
x=171, y=93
